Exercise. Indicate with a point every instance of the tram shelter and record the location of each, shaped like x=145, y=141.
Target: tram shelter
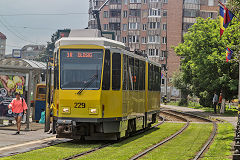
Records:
x=22, y=75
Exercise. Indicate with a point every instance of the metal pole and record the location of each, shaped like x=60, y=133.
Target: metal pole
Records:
x=239, y=90
x=166, y=71
x=29, y=100
x=48, y=103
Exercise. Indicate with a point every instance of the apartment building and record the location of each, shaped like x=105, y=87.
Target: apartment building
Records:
x=3, y=39
x=153, y=26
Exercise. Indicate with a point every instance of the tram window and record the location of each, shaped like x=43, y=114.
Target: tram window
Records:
x=131, y=73
x=156, y=70
x=42, y=90
x=125, y=72
x=141, y=75
x=136, y=75
x=56, y=71
x=116, y=71
x=106, y=71
x=150, y=76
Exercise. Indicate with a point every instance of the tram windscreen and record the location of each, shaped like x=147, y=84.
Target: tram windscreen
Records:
x=81, y=68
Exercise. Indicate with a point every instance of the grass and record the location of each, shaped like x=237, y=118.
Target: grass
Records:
x=130, y=147
x=184, y=146
x=59, y=151
x=221, y=147
x=228, y=112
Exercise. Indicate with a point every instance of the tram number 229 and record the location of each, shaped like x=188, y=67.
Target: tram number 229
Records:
x=79, y=105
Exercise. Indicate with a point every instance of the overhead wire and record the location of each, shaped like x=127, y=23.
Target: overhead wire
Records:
x=1, y=21
x=42, y=14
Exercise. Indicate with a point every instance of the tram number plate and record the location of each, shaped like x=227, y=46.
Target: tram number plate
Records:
x=79, y=105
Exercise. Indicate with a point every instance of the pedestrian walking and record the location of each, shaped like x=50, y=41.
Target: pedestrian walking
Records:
x=215, y=102
x=19, y=107
x=220, y=103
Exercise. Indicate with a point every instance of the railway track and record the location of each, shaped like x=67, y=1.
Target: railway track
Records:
x=214, y=131
x=109, y=144
x=165, y=140
x=189, y=118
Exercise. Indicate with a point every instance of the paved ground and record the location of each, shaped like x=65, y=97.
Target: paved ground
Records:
x=232, y=120
x=10, y=143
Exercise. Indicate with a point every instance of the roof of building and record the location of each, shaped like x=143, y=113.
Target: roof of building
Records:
x=2, y=36
x=22, y=63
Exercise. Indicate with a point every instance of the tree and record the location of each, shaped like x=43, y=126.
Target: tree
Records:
x=48, y=52
x=180, y=83
x=203, y=65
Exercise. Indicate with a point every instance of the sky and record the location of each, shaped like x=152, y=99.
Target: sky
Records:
x=34, y=21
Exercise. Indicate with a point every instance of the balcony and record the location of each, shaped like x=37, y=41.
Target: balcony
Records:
x=115, y=6
x=114, y=20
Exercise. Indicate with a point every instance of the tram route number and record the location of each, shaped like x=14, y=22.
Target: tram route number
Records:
x=79, y=105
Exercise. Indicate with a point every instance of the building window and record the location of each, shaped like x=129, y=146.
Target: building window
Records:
x=154, y=25
x=105, y=14
x=126, y=2
x=144, y=1
x=105, y=27
x=153, y=39
x=124, y=27
x=165, y=1
x=124, y=14
x=210, y=14
x=114, y=26
x=124, y=39
x=144, y=40
x=144, y=27
x=135, y=1
x=135, y=12
x=164, y=54
x=153, y=52
x=154, y=12
x=190, y=13
x=133, y=39
x=191, y=1
x=164, y=13
x=210, y=2
x=133, y=26
x=154, y=0
x=164, y=40
x=164, y=27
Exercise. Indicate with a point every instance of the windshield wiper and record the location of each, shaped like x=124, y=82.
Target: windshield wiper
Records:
x=92, y=79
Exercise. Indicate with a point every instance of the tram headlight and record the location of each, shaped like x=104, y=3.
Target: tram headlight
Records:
x=93, y=111
x=66, y=110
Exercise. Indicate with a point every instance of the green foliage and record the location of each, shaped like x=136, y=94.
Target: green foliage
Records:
x=180, y=83
x=204, y=65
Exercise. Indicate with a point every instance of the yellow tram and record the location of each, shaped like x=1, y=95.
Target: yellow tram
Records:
x=101, y=90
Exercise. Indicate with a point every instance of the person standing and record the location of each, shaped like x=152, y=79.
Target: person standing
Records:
x=18, y=106
x=215, y=102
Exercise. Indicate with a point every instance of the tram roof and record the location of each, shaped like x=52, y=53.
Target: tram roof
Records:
x=99, y=41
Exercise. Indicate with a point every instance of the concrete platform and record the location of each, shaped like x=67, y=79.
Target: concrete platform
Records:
x=12, y=144
x=232, y=120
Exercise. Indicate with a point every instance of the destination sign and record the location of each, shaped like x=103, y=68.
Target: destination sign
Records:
x=79, y=55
